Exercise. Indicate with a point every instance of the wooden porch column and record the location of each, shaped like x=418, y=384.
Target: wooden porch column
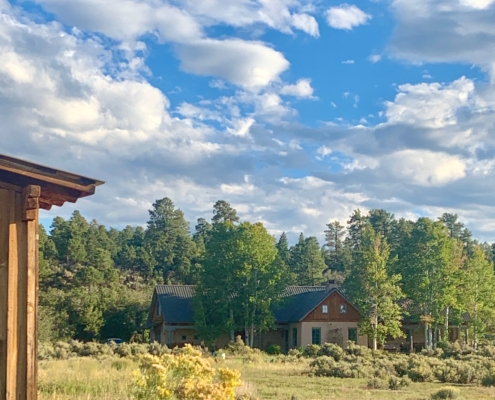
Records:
x=18, y=291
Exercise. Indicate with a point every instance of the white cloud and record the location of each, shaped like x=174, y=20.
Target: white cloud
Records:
x=430, y=104
x=306, y=23
x=241, y=126
x=302, y=88
x=247, y=64
x=346, y=17
x=348, y=62
x=374, y=58
x=477, y=4
x=425, y=168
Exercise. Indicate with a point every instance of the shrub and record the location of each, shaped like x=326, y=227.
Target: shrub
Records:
x=489, y=379
x=377, y=383
x=356, y=350
x=183, y=376
x=295, y=352
x=274, y=349
x=446, y=393
x=395, y=383
x=420, y=370
x=331, y=350
x=238, y=348
x=311, y=350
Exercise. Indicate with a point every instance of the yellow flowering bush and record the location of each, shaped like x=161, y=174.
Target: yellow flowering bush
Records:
x=183, y=375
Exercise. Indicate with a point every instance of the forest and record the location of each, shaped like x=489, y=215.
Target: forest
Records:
x=96, y=282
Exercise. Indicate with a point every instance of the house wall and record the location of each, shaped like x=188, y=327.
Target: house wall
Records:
x=333, y=302
x=331, y=332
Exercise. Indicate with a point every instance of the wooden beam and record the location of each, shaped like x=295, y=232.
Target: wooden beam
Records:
x=35, y=173
x=30, y=202
x=5, y=202
x=18, y=293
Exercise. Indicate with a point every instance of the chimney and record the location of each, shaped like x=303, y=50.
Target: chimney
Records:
x=331, y=285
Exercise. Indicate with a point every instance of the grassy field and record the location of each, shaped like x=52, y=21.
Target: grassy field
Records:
x=90, y=379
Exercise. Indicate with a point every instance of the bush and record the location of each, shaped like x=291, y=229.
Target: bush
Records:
x=395, y=383
x=489, y=379
x=420, y=370
x=274, y=349
x=446, y=393
x=183, y=376
x=377, y=383
x=311, y=350
x=359, y=351
x=331, y=350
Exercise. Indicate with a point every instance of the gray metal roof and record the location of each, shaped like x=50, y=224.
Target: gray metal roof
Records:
x=176, y=302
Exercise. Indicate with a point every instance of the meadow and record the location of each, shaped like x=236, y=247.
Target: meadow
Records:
x=86, y=378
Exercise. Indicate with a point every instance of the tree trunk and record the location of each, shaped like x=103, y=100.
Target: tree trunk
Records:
x=232, y=338
x=430, y=337
x=446, y=326
x=426, y=337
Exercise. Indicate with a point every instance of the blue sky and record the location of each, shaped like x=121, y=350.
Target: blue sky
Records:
x=295, y=111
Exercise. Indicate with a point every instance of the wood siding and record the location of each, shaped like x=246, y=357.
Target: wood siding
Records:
x=333, y=302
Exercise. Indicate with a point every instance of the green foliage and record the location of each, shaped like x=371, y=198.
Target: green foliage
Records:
x=373, y=289
x=274, y=349
x=241, y=264
x=446, y=393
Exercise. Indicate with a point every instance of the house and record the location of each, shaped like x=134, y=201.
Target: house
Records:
x=308, y=315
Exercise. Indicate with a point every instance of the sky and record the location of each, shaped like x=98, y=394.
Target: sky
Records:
x=296, y=112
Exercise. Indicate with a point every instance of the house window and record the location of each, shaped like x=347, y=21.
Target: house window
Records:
x=352, y=334
x=184, y=337
x=324, y=309
x=294, y=337
x=343, y=309
x=316, y=336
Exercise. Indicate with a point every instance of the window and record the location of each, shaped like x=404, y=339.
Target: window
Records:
x=184, y=337
x=294, y=337
x=324, y=309
x=158, y=309
x=316, y=336
x=343, y=309
x=352, y=335
x=196, y=337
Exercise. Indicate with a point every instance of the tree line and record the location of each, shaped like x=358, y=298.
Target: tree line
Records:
x=97, y=283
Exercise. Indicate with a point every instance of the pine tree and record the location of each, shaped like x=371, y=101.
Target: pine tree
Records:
x=334, y=247
x=283, y=248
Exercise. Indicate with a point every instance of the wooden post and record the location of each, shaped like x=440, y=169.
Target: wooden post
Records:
x=18, y=291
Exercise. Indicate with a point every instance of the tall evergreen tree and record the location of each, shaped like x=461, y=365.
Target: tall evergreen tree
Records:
x=169, y=243
x=283, y=248
x=223, y=212
x=334, y=246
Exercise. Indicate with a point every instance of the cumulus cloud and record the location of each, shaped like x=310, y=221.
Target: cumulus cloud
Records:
x=302, y=88
x=425, y=168
x=444, y=31
x=346, y=17
x=306, y=23
x=431, y=105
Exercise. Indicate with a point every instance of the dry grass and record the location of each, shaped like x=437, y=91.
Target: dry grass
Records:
x=91, y=379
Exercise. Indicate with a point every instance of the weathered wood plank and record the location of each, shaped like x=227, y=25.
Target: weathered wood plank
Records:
x=12, y=304
x=4, y=262
x=32, y=307
x=32, y=173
